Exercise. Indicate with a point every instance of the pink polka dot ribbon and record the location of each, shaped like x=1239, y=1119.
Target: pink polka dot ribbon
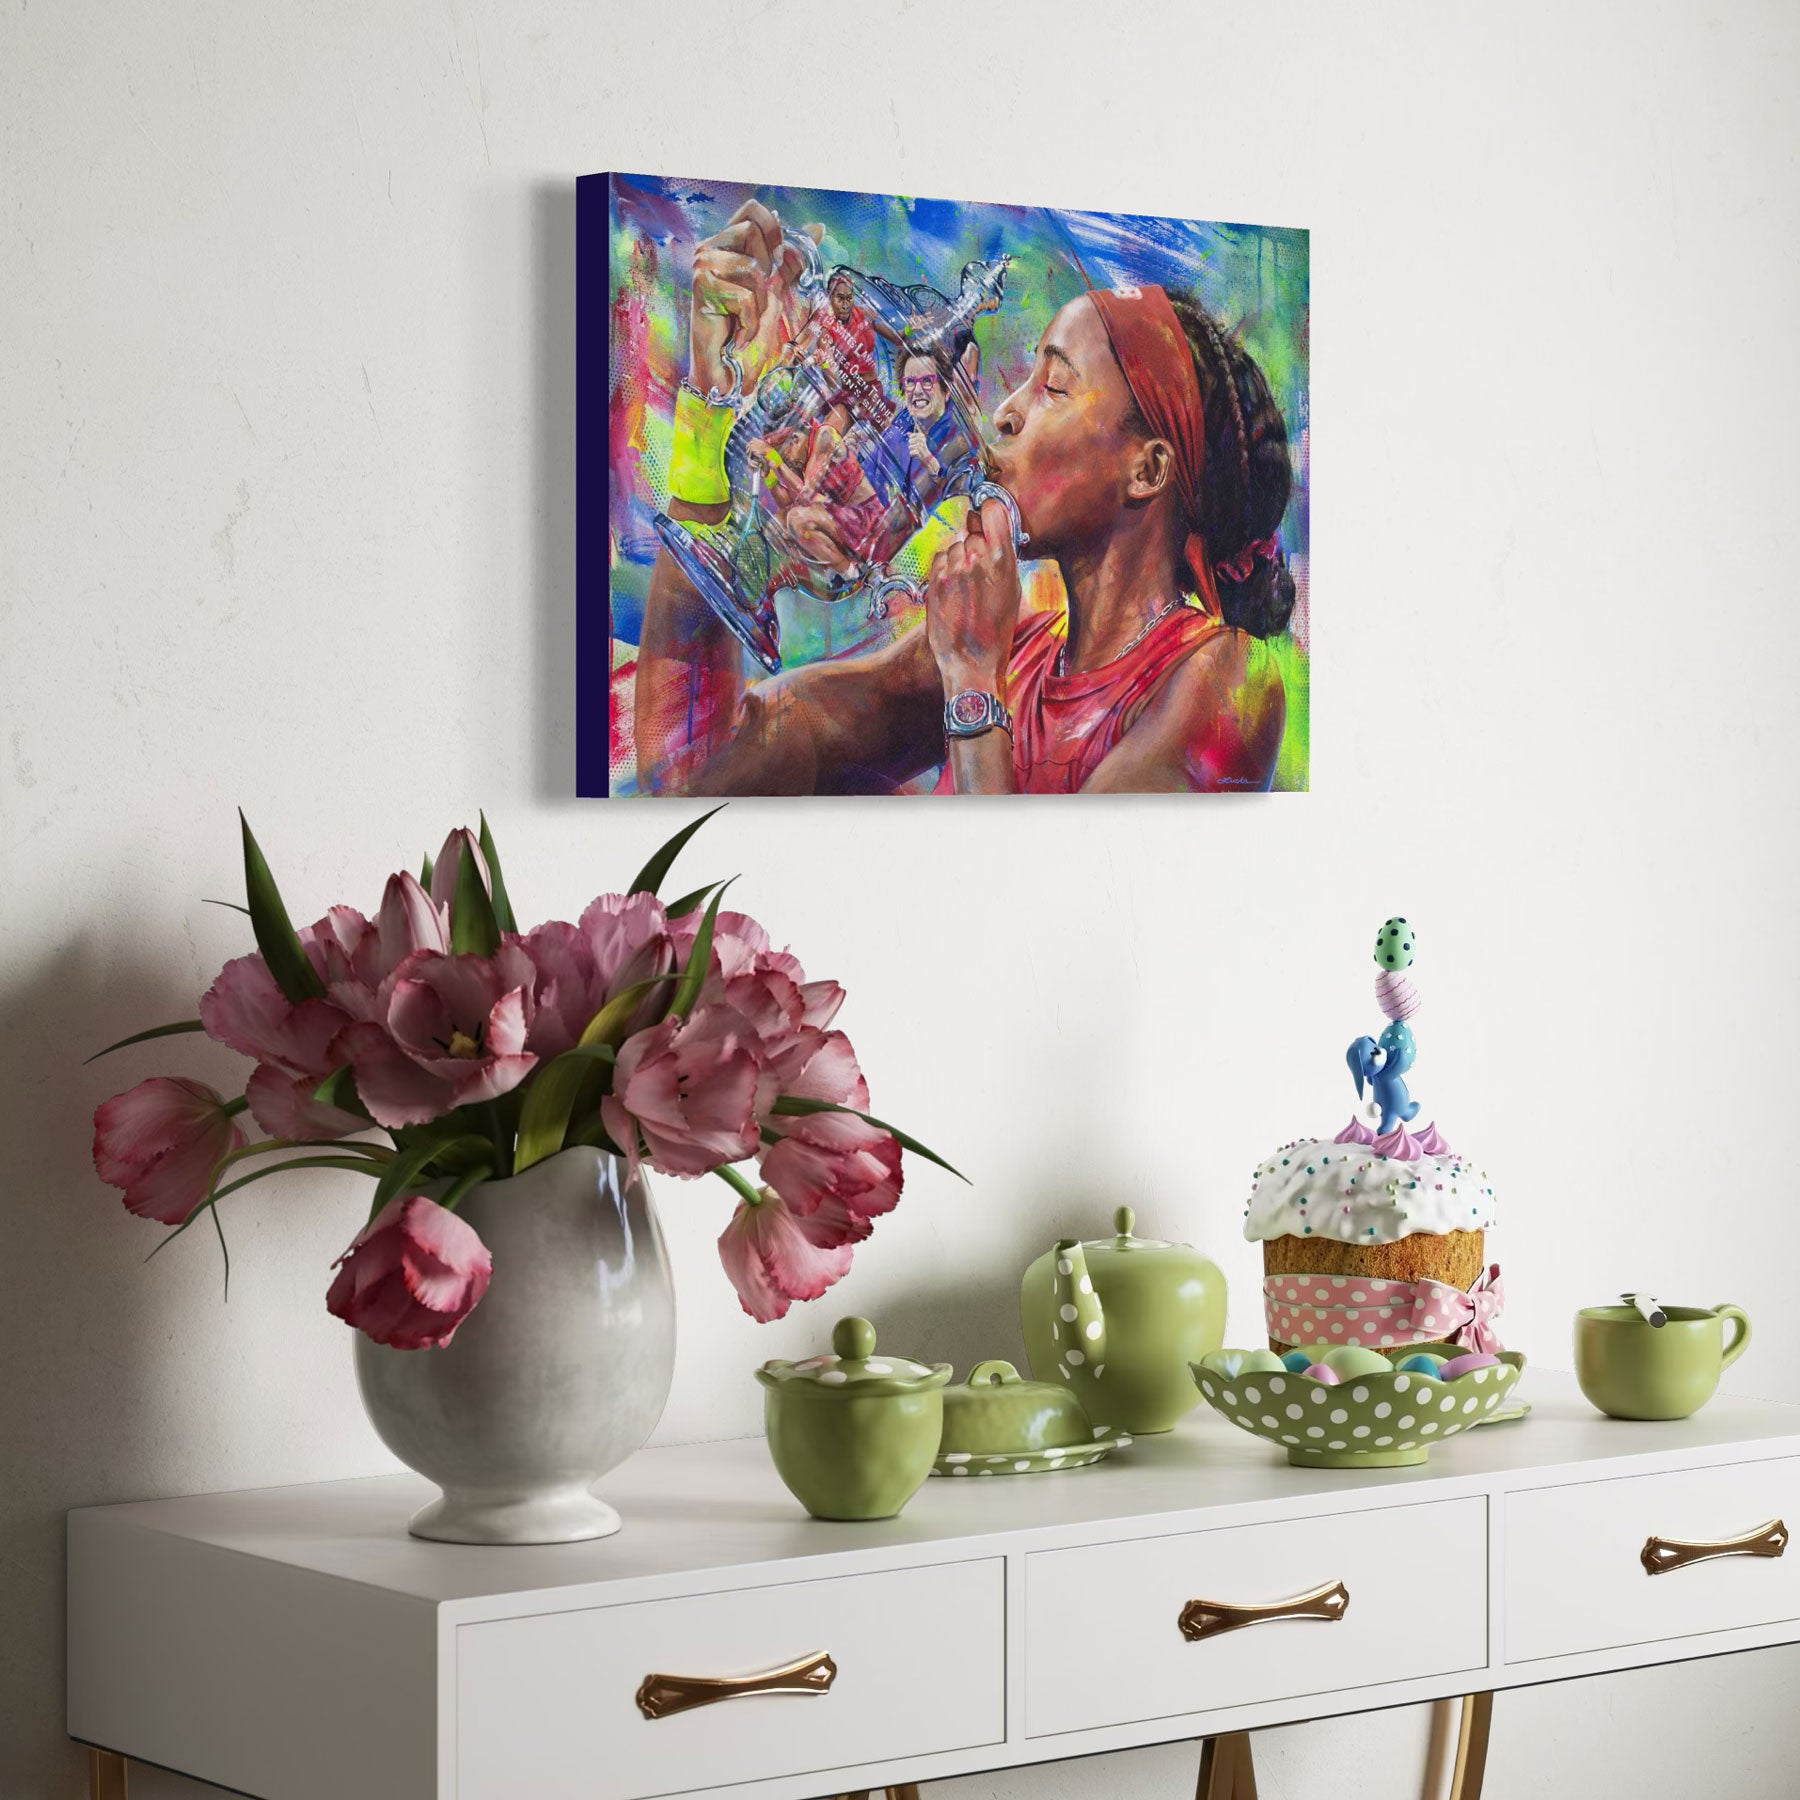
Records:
x=1352, y=1309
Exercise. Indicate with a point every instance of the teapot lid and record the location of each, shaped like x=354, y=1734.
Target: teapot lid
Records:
x=1125, y=1239
x=852, y=1366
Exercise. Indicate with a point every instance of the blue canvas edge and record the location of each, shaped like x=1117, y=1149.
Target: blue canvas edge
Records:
x=593, y=489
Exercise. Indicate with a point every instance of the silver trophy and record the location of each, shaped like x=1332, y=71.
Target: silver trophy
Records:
x=851, y=437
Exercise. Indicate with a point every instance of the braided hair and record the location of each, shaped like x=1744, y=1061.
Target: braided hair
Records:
x=1247, y=478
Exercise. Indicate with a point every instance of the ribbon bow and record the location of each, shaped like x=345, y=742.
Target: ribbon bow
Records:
x=1355, y=1309
x=1485, y=1300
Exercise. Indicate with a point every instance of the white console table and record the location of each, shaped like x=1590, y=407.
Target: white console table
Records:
x=294, y=1643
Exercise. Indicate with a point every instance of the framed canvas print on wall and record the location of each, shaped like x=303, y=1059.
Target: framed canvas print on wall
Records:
x=882, y=494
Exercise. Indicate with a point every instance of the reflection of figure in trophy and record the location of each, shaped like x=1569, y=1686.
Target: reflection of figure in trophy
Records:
x=840, y=337
x=1148, y=461
x=926, y=441
x=824, y=499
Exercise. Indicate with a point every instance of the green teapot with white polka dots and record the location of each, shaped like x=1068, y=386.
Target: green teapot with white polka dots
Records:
x=1119, y=1319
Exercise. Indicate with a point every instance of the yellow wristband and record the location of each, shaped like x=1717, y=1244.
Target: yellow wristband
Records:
x=697, y=455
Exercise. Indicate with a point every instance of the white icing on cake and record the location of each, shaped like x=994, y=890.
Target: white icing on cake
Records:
x=1319, y=1188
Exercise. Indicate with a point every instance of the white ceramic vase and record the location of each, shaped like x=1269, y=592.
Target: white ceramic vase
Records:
x=559, y=1373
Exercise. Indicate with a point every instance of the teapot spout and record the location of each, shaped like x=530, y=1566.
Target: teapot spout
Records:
x=1079, y=1329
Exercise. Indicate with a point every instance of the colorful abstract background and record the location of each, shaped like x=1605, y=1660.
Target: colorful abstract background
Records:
x=1253, y=278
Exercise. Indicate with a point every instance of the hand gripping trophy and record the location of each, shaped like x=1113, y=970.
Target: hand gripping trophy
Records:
x=862, y=421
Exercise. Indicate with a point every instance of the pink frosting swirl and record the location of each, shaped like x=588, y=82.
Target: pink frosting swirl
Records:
x=1431, y=1142
x=1399, y=1144
x=1356, y=1132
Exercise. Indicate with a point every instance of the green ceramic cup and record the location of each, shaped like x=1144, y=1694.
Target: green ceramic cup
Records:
x=1632, y=1369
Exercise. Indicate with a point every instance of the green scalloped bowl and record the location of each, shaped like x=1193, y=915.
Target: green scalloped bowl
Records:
x=1363, y=1422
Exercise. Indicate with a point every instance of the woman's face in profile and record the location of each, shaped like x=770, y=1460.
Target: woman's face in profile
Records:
x=1063, y=448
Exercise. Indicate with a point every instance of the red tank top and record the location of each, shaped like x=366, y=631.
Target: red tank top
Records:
x=1064, y=726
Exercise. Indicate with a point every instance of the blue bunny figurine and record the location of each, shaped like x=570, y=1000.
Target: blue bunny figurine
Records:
x=1381, y=1064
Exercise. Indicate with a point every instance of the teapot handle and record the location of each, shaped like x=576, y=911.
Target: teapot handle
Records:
x=992, y=1374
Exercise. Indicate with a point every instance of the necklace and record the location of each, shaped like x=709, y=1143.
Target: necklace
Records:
x=1060, y=666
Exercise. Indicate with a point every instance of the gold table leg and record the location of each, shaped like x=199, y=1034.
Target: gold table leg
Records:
x=1227, y=1769
x=1472, y=1746
x=106, y=1776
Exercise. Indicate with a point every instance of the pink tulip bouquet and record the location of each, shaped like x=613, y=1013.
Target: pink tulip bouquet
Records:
x=672, y=1035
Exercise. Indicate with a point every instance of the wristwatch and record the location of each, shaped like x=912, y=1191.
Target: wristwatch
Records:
x=971, y=712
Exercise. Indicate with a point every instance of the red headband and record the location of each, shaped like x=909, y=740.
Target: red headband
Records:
x=1153, y=352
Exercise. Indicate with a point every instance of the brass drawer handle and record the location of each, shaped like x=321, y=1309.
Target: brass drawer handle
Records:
x=1207, y=1618
x=1659, y=1555
x=660, y=1695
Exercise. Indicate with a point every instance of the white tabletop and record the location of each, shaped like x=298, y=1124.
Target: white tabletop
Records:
x=721, y=1506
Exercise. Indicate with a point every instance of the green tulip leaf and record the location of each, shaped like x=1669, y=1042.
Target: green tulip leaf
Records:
x=143, y=1037
x=339, y=1089
x=693, y=977
x=794, y=1104
x=275, y=935
x=406, y=1172
x=231, y=1187
x=550, y=1102
x=679, y=909
x=607, y=1026
x=650, y=876
x=474, y=930
x=503, y=912
x=425, y=872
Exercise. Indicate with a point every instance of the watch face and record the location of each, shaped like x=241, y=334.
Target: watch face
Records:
x=969, y=709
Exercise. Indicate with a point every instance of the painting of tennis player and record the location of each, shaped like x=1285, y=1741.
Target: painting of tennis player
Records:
x=887, y=495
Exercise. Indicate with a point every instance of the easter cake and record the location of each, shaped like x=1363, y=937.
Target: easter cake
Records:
x=1377, y=1236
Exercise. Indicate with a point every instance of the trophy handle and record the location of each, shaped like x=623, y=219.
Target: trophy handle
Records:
x=981, y=491
x=811, y=280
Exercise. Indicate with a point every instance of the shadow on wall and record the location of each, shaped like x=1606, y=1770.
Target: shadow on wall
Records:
x=84, y=1334
x=970, y=1314
x=554, y=495
x=127, y=1382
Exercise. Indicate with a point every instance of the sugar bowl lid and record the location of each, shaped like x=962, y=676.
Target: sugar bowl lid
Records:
x=852, y=1367
x=997, y=1412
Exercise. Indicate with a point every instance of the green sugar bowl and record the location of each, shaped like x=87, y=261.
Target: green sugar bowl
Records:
x=997, y=1424
x=853, y=1434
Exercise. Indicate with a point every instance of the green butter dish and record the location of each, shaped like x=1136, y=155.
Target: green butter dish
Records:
x=996, y=1423
x=1357, y=1421
x=853, y=1434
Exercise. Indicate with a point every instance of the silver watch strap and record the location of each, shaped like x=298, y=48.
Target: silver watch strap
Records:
x=971, y=712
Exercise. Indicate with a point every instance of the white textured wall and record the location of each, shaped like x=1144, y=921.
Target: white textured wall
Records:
x=287, y=517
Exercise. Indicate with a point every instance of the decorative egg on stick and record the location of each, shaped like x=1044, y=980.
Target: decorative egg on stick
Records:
x=1394, y=991
x=1380, y=1064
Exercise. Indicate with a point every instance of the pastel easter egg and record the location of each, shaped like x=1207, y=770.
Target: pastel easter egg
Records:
x=1297, y=1361
x=1422, y=1365
x=1461, y=1365
x=1323, y=1372
x=1396, y=995
x=1224, y=1362
x=1394, y=945
x=1263, y=1362
x=1351, y=1360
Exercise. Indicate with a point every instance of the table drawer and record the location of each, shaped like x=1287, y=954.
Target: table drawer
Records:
x=1575, y=1575
x=1105, y=1643
x=547, y=1706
